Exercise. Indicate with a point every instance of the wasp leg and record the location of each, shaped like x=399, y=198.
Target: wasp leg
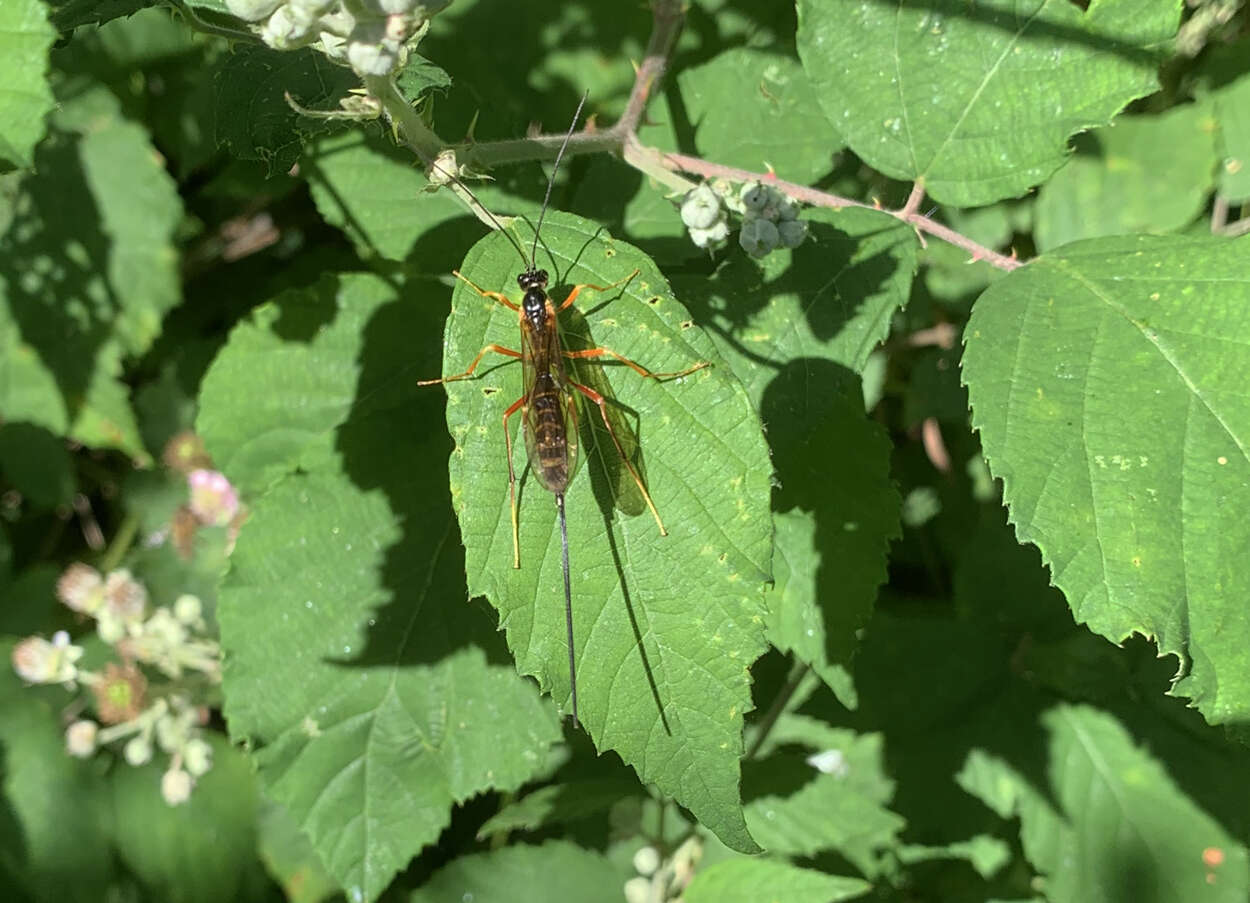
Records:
x=577, y=289
x=516, y=524
x=497, y=296
x=499, y=349
x=638, y=368
x=603, y=411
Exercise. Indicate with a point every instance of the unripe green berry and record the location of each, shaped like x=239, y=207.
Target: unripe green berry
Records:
x=758, y=236
x=252, y=10
x=792, y=232
x=701, y=208
x=755, y=196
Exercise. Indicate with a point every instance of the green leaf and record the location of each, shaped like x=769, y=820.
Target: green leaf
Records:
x=1144, y=174
x=201, y=850
x=755, y=109
x=52, y=815
x=419, y=75
x=666, y=626
x=841, y=803
x=37, y=464
x=978, y=102
x=523, y=874
x=987, y=855
x=811, y=317
x=253, y=116
x=87, y=271
x=1107, y=383
x=373, y=191
x=558, y=804
x=769, y=881
x=1232, y=112
x=1112, y=824
x=25, y=97
x=70, y=14
x=289, y=857
x=354, y=665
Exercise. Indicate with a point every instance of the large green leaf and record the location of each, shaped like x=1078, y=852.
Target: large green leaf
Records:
x=354, y=664
x=1144, y=174
x=25, y=97
x=769, y=881
x=753, y=109
x=666, y=626
x=525, y=874
x=797, y=328
x=1107, y=383
x=977, y=101
x=1111, y=825
x=87, y=271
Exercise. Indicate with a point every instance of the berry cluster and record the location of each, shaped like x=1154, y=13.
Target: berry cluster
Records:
x=371, y=36
x=769, y=218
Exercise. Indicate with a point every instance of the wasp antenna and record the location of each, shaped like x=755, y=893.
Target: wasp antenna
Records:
x=452, y=177
x=552, y=181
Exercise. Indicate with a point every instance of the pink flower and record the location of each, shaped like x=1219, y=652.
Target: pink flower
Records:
x=214, y=502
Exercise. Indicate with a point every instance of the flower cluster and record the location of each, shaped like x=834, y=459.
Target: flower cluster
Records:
x=663, y=880
x=371, y=36
x=769, y=218
x=169, y=640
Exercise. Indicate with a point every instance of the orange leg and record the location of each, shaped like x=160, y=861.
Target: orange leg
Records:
x=516, y=524
x=577, y=289
x=473, y=366
x=497, y=296
x=638, y=368
x=603, y=411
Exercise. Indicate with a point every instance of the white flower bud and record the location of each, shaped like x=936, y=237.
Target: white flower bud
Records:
x=137, y=751
x=252, y=10
x=646, y=860
x=197, y=755
x=176, y=786
x=701, y=208
x=758, y=237
x=188, y=608
x=637, y=890
x=80, y=738
x=710, y=238
x=282, y=32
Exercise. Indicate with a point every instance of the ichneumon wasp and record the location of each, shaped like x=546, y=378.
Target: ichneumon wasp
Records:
x=548, y=405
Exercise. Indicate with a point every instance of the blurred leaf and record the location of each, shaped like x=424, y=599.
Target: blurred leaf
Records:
x=70, y=14
x=201, y=850
x=26, y=98
x=768, y=881
x=27, y=600
x=1106, y=382
x=755, y=109
x=1111, y=825
x=1143, y=174
x=885, y=77
x=52, y=814
x=253, y=116
x=984, y=853
x=289, y=857
x=87, y=270
x=1232, y=112
x=525, y=874
x=37, y=463
x=666, y=626
x=354, y=666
